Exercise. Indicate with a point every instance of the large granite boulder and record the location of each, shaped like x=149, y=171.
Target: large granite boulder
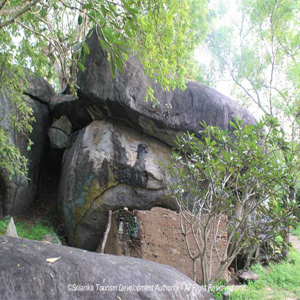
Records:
x=59, y=132
x=123, y=98
x=72, y=107
x=17, y=194
x=38, y=88
x=35, y=270
x=110, y=166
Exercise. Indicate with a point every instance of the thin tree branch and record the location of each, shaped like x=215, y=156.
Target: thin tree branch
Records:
x=19, y=13
x=108, y=226
x=2, y=4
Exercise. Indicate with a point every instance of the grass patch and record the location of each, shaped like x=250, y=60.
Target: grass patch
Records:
x=3, y=225
x=296, y=231
x=276, y=282
x=34, y=226
x=32, y=231
x=29, y=230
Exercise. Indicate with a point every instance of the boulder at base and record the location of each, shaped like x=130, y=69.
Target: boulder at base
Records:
x=123, y=98
x=247, y=276
x=70, y=273
x=110, y=166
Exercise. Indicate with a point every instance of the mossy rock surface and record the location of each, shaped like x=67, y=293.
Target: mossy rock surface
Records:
x=110, y=166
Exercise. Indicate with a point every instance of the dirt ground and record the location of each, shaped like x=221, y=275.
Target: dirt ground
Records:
x=295, y=242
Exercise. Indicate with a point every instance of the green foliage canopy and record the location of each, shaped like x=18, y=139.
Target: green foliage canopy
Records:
x=47, y=36
x=257, y=50
x=162, y=33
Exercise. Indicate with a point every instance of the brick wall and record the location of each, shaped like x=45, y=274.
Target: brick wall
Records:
x=156, y=236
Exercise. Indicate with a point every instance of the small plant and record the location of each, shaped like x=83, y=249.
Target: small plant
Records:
x=131, y=225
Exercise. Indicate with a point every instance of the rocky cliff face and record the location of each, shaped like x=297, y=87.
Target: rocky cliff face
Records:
x=112, y=165
x=17, y=195
x=106, y=147
x=122, y=98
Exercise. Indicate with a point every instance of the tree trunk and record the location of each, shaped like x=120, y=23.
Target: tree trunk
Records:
x=108, y=226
